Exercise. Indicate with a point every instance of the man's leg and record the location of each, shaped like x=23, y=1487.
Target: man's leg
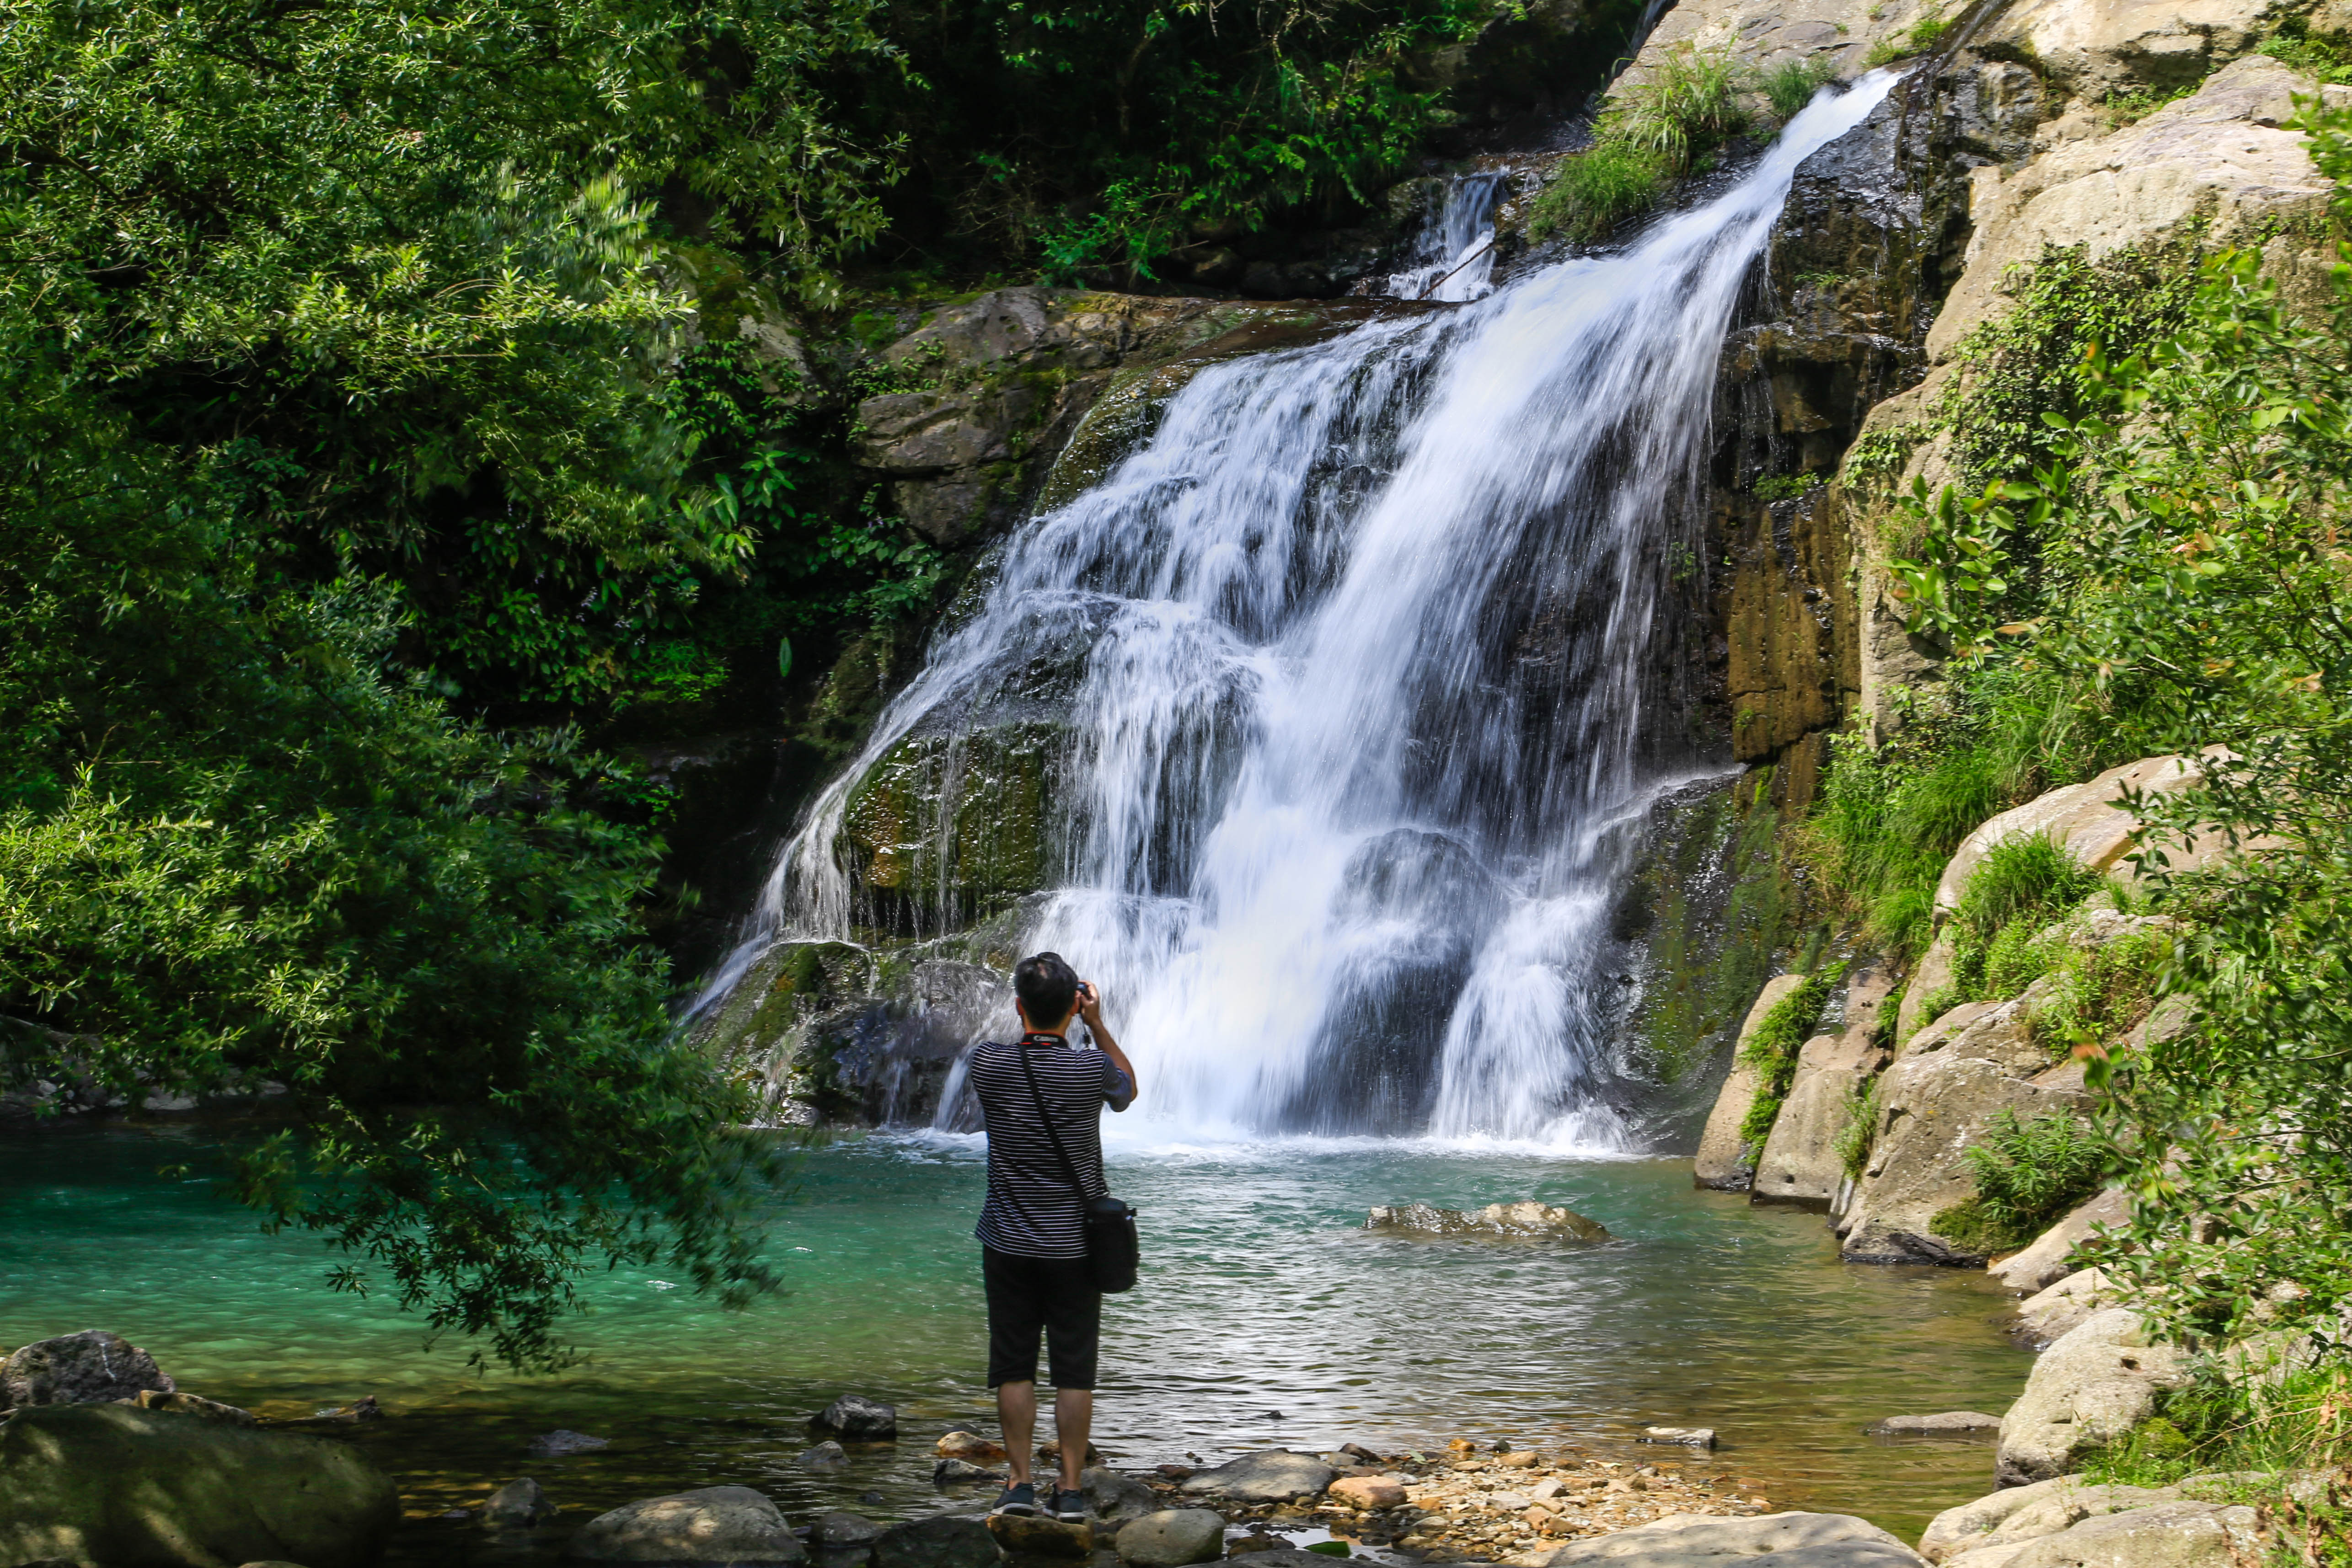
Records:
x=1016, y=1413
x=1073, y=1419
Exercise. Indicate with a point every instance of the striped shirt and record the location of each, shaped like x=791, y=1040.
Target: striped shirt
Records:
x=1032, y=1210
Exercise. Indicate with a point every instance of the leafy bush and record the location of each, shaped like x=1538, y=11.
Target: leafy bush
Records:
x=1786, y=486
x=2261, y=1431
x=2322, y=59
x=1773, y=1050
x=2098, y=991
x=1791, y=85
x=2029, y=1174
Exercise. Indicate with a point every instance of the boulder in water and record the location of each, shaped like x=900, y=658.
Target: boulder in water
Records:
x=518, y=1505
x=949, y=1471
x=859, y=1419
x=87, y=1368
x=1528, y=1219
x=836, y=1530
x=825, y=1455
x=113, y=1483
x=941, y=1541
x=1273, y=1474
x=1116, y=1498
x=970, y=1446
x=1034, y=1535
x=563, y=1441
x=715, y=1524
x=1172, y=1538
x=1944, y=1423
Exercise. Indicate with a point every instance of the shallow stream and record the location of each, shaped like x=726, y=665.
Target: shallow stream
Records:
x=1267, y=1317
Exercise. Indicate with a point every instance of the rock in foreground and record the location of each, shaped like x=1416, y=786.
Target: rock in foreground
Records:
x=1495, y=1219
x=715, y=1524
x=1034, y=1535
x=2092, y=1386
x=1115, y=1498
x=1172, y=1538
x=112, y=1483
x=1775, y=1540
x=518, y=1505
x=1274, y=1475
x=939, y=1541
x=91, y=1367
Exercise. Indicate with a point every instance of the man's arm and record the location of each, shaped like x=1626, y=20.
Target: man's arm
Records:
x=1090, y=1013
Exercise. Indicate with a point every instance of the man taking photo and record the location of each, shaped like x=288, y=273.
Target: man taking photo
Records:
x=1033, y=1245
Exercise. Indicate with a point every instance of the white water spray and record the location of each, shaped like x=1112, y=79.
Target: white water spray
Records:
x=1352, y=660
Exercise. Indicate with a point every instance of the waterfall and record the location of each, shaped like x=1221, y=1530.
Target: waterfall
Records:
x=1342, y=676
x=1453, y=256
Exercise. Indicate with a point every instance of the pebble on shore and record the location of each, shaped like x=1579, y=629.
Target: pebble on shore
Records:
x=1513, y=1507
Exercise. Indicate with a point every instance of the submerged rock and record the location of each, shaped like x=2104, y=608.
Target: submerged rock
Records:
x=563, y=1441
x=518, y=1505
x=835, y=1529
x=825, y=1455
x=715, y=1524
x=1943, y=1422
x=949, y=1471
x=1274, y=1475
x=1690, y=1437
x=85, y=1368
x=1172, y=1538
x=1529, y=1219
x=195, y=1405
x=113, y=1483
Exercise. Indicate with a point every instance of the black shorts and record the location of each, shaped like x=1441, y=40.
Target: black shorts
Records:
x=1025, y=1295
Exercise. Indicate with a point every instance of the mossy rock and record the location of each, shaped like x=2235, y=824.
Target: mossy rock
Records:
x=963, y=820
x=112, y=1483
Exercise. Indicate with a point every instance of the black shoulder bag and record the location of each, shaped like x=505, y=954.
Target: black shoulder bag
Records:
x=1112, y=1249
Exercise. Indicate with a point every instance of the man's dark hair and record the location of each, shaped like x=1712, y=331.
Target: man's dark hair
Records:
x=1047, y=987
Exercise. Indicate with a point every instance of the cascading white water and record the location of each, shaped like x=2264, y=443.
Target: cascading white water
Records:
x=1453, y=256
x=1351, y=657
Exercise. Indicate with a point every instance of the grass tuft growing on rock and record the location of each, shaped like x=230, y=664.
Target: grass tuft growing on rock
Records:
x=1653, y=132
x=1595, y=191
x=2029, y=1174
x=1791, y=85
x=1772, y=1049
x=1921, y=38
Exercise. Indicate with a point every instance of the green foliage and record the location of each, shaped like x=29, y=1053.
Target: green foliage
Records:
x=1786, y=486
x=2017, y=890
x=2029, y=1174
x=1859, y=1135
x=1595, y=191
x=1652, y=132
x=2099, y=990
x=1792, y=84
x=2324, y=60
x=2121, y=109
x=2249, y=1434
x=1922, y=36
x=1878, y=455
x=1773, y=1050
x=2195, y=589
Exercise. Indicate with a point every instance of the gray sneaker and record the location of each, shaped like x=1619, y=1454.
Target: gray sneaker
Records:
x=1020, y=1498
x=1070, y=1507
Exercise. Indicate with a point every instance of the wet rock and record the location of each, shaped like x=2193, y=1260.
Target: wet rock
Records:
x=1691, y=1437
x=970, y=1446
x=859, y=1419
x=1049, y=1453
x=518, y=1505
x=1942, y=1422
x=113, y=1483
x=1367, y=1491
x=1033, y=1535
x=1495, y=1219
x=1274, y=1475
x=193, y=1405
x=939, y=1541
x=2087, y=1390
x=825, y=1455
x=564, y=1440
x=715, y=1524
x=950, y=1472
x=1115, y=1498
x=837, y=1531
x=2044, y=1262
x=2052, y=1314
x=2023, y=1513
x=1171, y=1537
x=1724, y=1161
x=1773, y=1541
x=85, y=1368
